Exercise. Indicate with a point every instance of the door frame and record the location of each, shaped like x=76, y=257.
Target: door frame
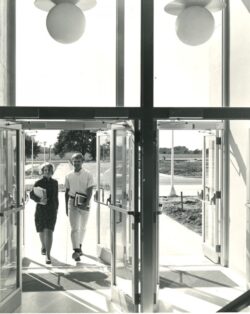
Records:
x=147, y=121
x=13, y=301
x=207, y=126
x=130, y=213
x=213, y=252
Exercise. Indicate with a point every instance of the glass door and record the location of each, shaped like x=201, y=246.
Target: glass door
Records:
x=124, y=220
x=103, y=195
x=11, y=205
x=212, y=156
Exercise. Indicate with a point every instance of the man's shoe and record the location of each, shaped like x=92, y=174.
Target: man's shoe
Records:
x=76, y=256
x=43, y=251
x=80, y=251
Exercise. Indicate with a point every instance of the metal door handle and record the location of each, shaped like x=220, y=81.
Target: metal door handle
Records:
x=11, y=211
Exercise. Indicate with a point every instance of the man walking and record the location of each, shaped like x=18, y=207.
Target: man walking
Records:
x=79, y=185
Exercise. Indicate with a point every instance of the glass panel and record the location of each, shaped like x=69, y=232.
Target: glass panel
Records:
x=105, y=190
x=191, y=75
x=8, y=198
x=210, y=191
x=77, y=74
x=3, y=52
x=82, y=73
x=132, y=50
x=239, y=54
x=123, y=268
x=120, y=169
x=123, y=222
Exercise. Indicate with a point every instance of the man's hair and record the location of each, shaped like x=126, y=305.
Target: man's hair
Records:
x=77, y=156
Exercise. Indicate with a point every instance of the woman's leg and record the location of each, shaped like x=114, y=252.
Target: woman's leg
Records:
x=48, y=239
x=41, y=235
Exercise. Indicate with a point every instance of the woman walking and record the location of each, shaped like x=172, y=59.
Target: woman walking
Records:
x=45, y=194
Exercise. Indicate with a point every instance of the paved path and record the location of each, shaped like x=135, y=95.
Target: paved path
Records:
x=166, y=178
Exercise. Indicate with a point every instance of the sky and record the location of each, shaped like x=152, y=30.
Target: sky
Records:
x=190, y=139
x=48, y=136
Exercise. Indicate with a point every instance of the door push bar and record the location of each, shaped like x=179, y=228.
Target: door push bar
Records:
x=11, y=211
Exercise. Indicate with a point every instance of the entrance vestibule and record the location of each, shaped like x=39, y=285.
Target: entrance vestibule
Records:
x=118, y=161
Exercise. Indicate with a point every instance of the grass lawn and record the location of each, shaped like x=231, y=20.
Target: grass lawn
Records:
x=184, y=168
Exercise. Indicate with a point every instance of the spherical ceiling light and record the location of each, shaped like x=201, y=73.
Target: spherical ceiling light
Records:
x=65, y=23
x=194, y=25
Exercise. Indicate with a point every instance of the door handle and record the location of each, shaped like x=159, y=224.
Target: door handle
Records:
x=11, y=211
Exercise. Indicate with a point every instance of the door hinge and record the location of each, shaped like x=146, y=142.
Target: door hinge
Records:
x=218, y=248
x=137, y=136
x=137, y=298
x=155, y=299
x=218, y=194
x=137, y=216
x=218, y=140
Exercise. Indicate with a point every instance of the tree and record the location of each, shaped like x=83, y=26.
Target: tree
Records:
x=83, y=141
x=181, y=150
x=197, y=151
x=28, y=147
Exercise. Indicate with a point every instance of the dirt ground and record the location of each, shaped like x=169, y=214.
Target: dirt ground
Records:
x=187, y=211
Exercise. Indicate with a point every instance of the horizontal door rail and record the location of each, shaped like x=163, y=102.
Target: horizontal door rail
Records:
x=101, y=203
x=120, y=209
x=237, y=304
x=11, y=211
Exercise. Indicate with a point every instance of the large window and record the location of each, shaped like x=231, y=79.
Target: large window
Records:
x=239, y=55
x=82, y=73
x=185, y=76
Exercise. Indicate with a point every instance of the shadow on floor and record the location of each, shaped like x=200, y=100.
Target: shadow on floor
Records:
x=194, y=279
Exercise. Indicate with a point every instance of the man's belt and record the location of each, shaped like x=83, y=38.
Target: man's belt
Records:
x=73, y=197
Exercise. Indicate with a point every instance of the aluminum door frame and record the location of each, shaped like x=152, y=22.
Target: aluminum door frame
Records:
x=13, y=301
x=213, y=252
x=132, y=212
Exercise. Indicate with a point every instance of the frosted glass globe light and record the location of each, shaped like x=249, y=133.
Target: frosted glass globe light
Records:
x=194, y=25
x=65, y=23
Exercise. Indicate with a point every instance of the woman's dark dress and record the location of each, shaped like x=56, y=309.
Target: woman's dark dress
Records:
x=45, y=215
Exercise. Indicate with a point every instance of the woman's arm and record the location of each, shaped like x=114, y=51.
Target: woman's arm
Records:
x=33, y=196
x=56, y=200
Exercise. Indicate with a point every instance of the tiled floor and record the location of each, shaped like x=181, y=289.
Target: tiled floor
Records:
x=188, y=282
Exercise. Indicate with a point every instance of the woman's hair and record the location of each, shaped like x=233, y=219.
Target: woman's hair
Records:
x=49, y=165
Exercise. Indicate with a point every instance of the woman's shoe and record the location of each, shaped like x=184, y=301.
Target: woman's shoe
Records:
x=48, y=260
x=43, y=251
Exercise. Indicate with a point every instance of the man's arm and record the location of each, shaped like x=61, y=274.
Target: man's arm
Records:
x=66, y=200
x=89, y=195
